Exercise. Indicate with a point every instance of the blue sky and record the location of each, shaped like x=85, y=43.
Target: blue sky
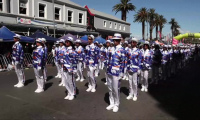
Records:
x=186, y=12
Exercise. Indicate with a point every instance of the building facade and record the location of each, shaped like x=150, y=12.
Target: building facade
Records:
x=106, y=24
x=30, y=15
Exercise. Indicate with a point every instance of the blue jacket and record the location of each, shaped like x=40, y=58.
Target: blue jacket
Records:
x=38, y=58
x=62, y=52
x=107, y=53
x=57, y=53
x=80, y=53
x=133, y=60
x=91, y=55
x=102, y=53
x=145, y=59
x=17, y=54
x=69, y=60
x=116, y=62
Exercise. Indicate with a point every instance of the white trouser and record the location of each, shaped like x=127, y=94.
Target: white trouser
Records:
x=114, y=89
x=101, y=64
x=132, y=77
x=39, y=78
x=106, y=74
x=62, y=77
x=79, y=70
x=69, y=83
x=125, y=72
x=45, y=72
x=144, y=78
x=20, y=73
x=97, y=70
x=155, y=73
x=90, y=74
x=57, y=66
x=164, y=71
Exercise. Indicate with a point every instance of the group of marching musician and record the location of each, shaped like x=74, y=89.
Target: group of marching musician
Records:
x=120, y=61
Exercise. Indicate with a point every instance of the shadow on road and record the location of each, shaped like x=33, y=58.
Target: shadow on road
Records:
x=48, y=85
x=180, y=95
x=124, y=90
x=28, y=81
x=106, y=98
x=49, y=78
x=103, y=80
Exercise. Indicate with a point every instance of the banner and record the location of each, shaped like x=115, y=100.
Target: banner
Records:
x=160, y=35
x=175, y=42
x=187, y=35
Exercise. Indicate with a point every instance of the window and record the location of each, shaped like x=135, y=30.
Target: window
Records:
x=70, y=16
x=80, y=16
x=23, y=6
x=115, y=25
x=104, y=23
x=110, y=24
x=1, y=5
x=57, y=13
x=124, y=28
x=42, y=10
x=120, y=27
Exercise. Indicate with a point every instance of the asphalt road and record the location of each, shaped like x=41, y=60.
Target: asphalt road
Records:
x=176, y=98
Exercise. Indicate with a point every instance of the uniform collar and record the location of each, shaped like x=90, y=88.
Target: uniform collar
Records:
x=92, y=45
x=17, y=42
x=39, y=47
x=118, y=46
x=70, y=47
x=62, y=47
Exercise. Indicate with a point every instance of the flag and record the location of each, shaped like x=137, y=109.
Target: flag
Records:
x=175, y=42
x=160, y=35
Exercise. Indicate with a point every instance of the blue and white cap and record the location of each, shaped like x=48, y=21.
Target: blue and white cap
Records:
x=92, y=36
x=57, y=42
x=126, y=42
x=78, y=41
x=96, y=42
x=117, y=36
x=70, y=39
x=134, y=39
x=39, y=40
x=108, y=41
x=17, y=36
x=165, y=46
x=62, y=41
x=43, y=39
x=146, y=43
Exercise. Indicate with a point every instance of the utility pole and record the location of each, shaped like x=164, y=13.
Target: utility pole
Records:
x=54, y=32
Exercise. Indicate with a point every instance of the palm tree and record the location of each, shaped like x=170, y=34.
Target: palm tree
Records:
x=151, y=19
x=125, y=6
x=174, y=26
x=162, y=21
x=156, y=23
x=141, y=17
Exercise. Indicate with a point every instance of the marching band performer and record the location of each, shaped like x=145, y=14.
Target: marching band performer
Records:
x=69, y=69
x=91, y=63
x=164, y=62
x=107, y=53
x=145, y=65
x=80, y=55
x=125, y=70
x=132, y=68
x=102, y=56
x=115, y=70
x=38, y=65
x=61, y=60
x=98, y=49
x=56, y=59
x=45, y=58
x=17, y=61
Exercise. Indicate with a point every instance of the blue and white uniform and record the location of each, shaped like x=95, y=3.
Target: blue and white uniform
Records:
x=45, y=61
x=165, y=57
x=38, y=66
x=56, y=60
x=92, y=54
x=126, y=59
x=99, y=55
x=17, y=61
x=102, y=57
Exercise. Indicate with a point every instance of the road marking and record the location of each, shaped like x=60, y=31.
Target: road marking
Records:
x=60, y=112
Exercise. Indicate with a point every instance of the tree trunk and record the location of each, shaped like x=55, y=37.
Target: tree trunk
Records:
x=150, y=31
x=161, y=31
x=124, y=15
x=156, y=32
x=143, y=29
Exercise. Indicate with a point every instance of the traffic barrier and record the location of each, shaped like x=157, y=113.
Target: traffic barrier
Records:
x=27, y=60
x=50, y=59
x=3, y=62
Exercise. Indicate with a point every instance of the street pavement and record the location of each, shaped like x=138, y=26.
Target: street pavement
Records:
x=176, y=98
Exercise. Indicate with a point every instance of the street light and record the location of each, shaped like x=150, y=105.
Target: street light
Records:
x=54, y=32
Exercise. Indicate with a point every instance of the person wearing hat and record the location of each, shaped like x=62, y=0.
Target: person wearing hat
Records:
x=80, y=54
x=108, y=51
x=132, y=68
x=56, y=59
x=96, y=43
x=70, y=69
x=62, y=51
x=145, y=65
x=165, y=57
x=92, y=55
x=17, y=61
x=115, y=70
x=156, y=63
x=45, y=58
x=38, y=65
x=125, y=69
x=170, y=63
x=102, y=56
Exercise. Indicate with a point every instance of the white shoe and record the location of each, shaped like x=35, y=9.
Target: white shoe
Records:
x=127, y=78
x=71, y=97
x=16, y=85
x=142, y=89
x=36, y=90
x=106, y=83
x=59, y=76
x=146, y=90
x=115, y=109
x=20, y=85
x=93, y=90
x=77, y=79
x=82, y=80
x=63, y=85
x=129, y=97
x=89, y=89
x=56, y=76
x=96, y=75
x=110, y=107
x=67, y=97
x=60, y=84
x=39, y=91
x=134, y=98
